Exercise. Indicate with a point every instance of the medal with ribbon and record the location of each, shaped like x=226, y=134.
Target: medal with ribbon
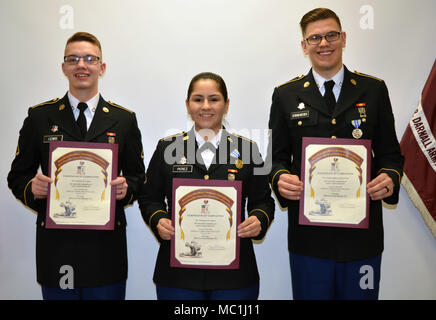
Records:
x=361, y=107
x=357, y=133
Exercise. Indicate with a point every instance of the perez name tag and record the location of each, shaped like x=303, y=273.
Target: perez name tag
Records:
x=181, y=168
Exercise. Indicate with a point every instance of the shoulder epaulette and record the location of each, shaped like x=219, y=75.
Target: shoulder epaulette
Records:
x=173, y=136
x=119, y=107
x=243, y=138
x=367, y=75
x=47, y=102
x=293, y=80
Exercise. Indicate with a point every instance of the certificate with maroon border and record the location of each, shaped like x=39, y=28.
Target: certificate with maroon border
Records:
x=206, y=214
x=81, y=196
x=335, y=173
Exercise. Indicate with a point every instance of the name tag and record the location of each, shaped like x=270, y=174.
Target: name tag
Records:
x=56, y=137
x=182, y=168
x=300, y=114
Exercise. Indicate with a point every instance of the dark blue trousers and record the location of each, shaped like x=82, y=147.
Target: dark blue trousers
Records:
x=327, y=279
x=110, y=292
x=167, y=293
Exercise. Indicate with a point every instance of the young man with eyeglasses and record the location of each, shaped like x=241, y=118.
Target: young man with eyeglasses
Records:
x=96, y=260
x=333, y=262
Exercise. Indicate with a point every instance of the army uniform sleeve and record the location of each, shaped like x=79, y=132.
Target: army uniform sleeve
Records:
x=387, y=152
x=260, y=202
x=152, y=197
x=281, y=152
x=25, y=165
x=133, y=163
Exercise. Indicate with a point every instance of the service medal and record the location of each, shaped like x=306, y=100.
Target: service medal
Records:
x=111, y=137
x=239, y=164
x=357, y=133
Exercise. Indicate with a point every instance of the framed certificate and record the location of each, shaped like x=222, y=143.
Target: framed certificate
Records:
x=206, y=214
x=81, y=196
x=335, y=173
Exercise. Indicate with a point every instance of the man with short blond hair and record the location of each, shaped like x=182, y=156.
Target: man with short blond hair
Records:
x=97, y=260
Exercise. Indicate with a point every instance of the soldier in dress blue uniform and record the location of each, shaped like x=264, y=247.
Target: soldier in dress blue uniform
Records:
x=227, y=157
x=97, y=258
x=332, y=102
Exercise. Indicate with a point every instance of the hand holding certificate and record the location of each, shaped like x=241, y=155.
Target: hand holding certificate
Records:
x=206, y=214
x=335, y=173
x=81, y=195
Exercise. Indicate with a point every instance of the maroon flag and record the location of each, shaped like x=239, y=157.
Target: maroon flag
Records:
x=418, y=146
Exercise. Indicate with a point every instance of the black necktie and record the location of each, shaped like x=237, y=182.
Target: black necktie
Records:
x=329, y=97
x=207, y=145
x=81, y=120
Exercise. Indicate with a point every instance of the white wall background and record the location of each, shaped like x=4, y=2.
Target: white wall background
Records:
x=153, y=48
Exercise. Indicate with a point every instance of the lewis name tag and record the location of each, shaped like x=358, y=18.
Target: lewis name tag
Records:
x=56, y=137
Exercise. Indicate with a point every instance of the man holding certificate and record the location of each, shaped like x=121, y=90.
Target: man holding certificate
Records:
x=198, y=185
x=82, y=145
x=335, y=156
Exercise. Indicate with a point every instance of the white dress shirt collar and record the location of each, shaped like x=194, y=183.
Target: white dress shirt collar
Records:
x=207, y=154
x=89, y=112
x=215, y=140
x=338, y=79
x=92, y=103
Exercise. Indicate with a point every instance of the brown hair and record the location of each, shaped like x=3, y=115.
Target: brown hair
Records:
x=212, y=76
x=84, y=36
x=318, y=14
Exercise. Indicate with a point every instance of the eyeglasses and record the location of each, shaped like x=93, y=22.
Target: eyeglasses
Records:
x=88, y=59
x=330, y=37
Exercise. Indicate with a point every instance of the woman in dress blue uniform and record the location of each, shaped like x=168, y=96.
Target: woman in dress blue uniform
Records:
x=219, y=155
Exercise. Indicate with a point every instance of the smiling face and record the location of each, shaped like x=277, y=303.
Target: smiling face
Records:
x=83, y=77
x=206, y=105
x=325, y=57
